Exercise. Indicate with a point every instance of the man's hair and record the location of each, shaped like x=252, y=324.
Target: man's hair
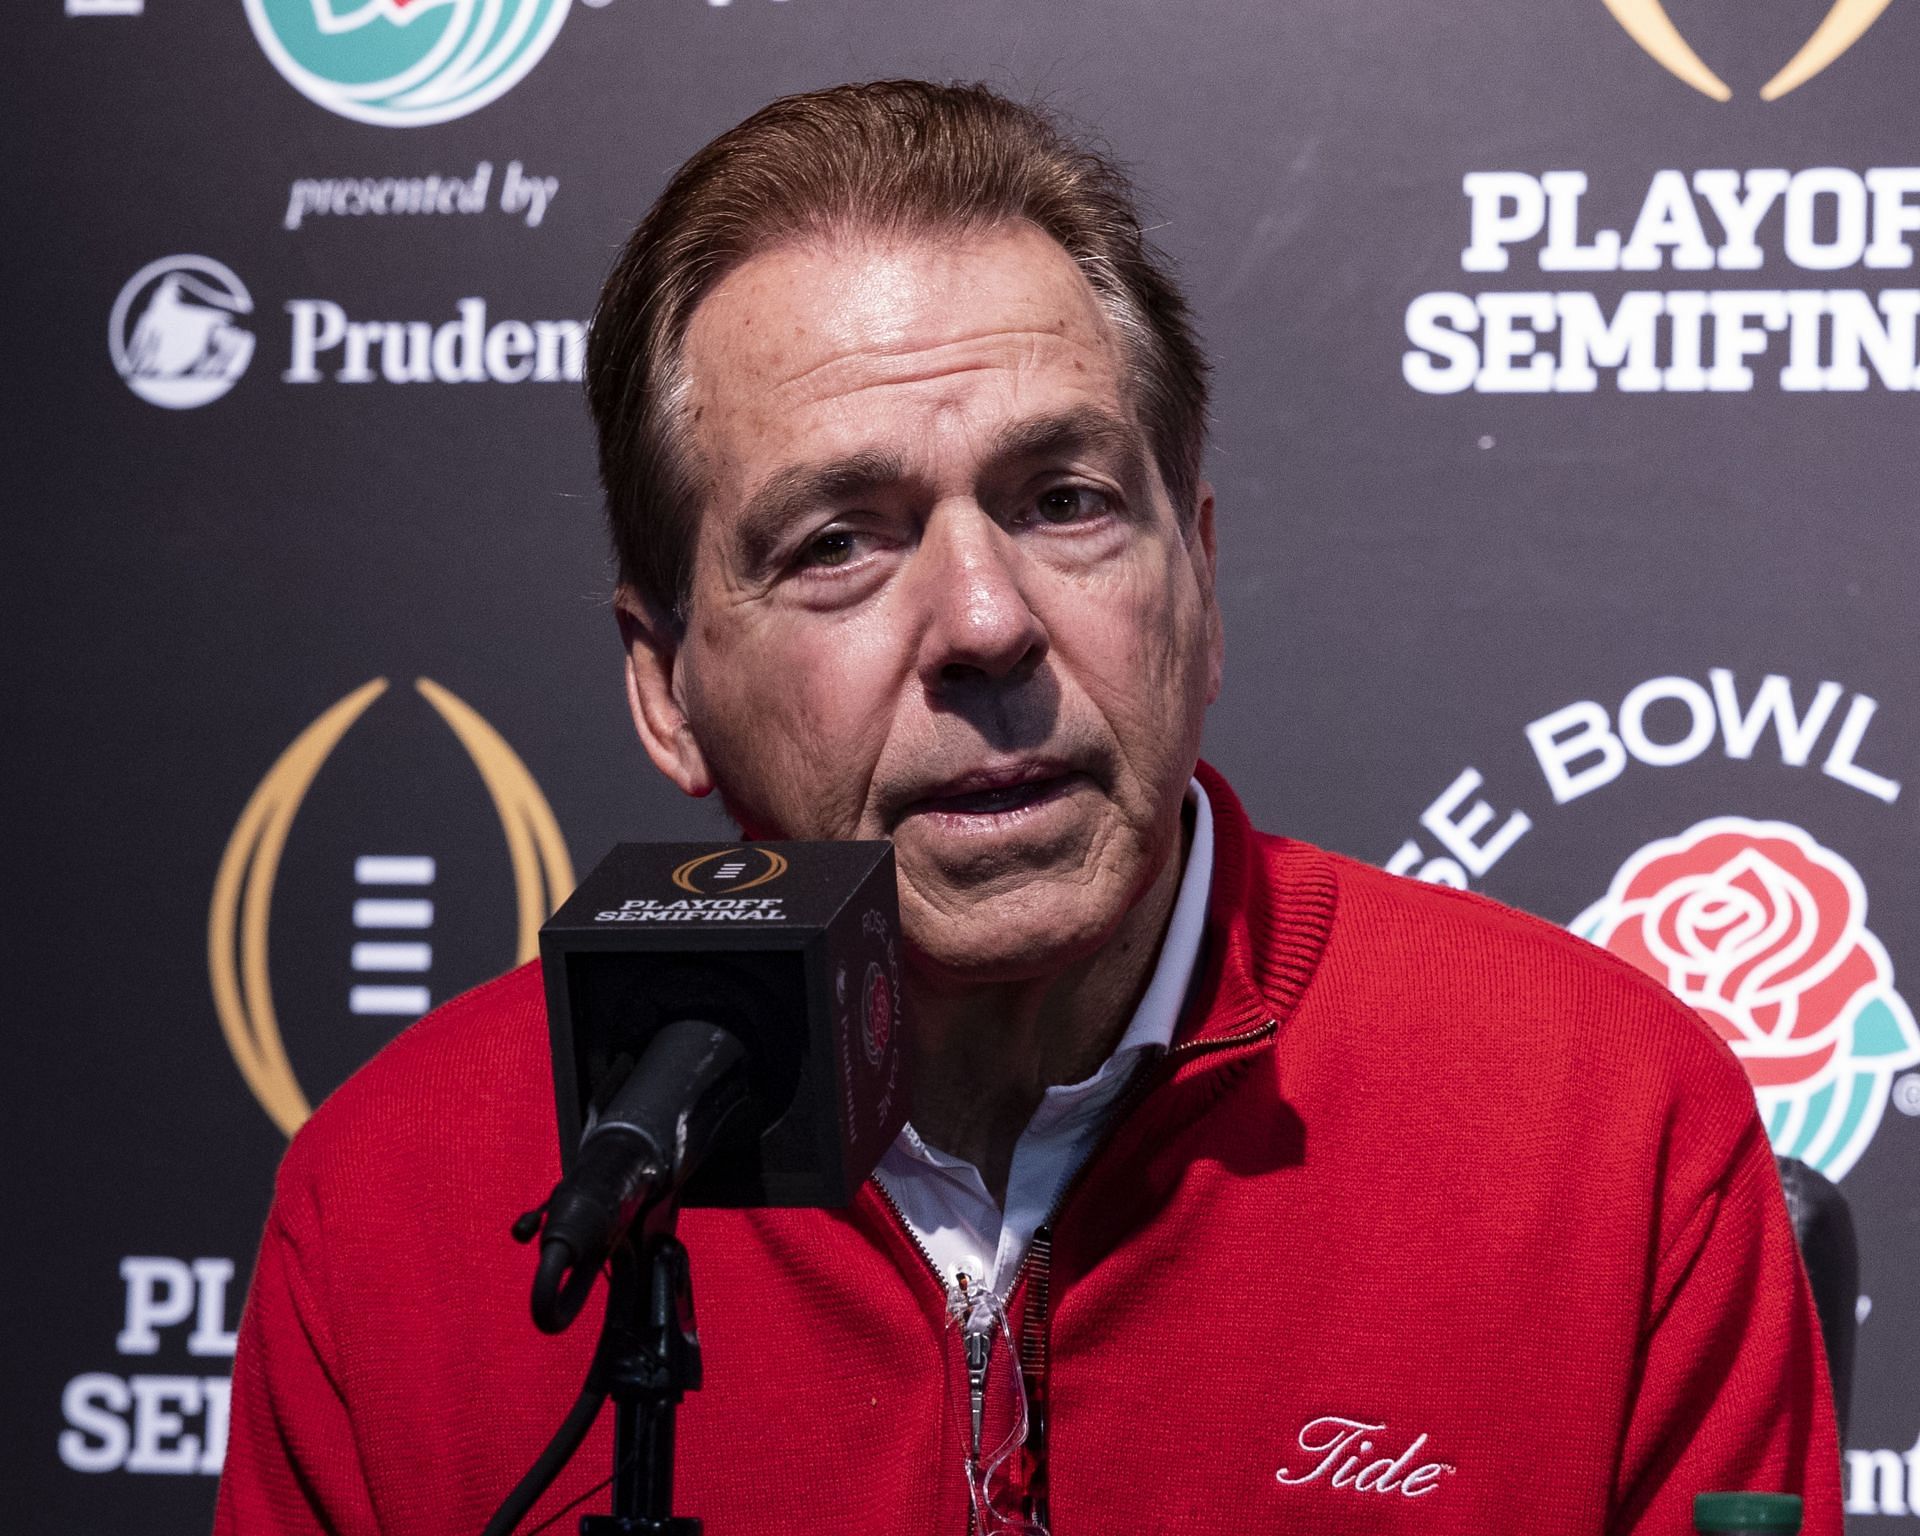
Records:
x=900, y=158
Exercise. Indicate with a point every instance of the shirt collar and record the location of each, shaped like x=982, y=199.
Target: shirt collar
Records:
x=1158, y=1014
x=1151, y=1029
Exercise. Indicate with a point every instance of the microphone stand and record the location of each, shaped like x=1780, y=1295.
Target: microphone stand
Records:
x=621, y=1200
x=647, y=1361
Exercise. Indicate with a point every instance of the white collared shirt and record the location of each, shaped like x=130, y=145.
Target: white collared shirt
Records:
x=943, y=1199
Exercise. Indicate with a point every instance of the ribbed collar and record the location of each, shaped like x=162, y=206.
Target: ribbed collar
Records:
x=1268, y=917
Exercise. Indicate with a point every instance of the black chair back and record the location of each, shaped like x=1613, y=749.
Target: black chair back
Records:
x=1824, y=1228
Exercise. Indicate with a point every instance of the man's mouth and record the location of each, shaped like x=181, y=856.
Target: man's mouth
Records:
x=996, y=793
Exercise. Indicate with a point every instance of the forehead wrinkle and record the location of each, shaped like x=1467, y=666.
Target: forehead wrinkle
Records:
x=930, y=367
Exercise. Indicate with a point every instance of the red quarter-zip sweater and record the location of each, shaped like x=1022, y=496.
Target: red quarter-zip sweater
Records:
x=1435, y=1219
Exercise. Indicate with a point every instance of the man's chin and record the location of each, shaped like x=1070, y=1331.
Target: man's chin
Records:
x=990, y=938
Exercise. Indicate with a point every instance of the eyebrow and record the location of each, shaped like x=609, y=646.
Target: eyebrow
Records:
x=789, y=494
x=1086, y=429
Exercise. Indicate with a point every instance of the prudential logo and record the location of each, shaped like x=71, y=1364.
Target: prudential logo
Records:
x=177, y=335
x=400, y=63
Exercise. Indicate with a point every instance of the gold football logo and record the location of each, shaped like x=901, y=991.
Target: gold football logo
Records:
x=729, y=871
x=1647, y=23
x=243, y=890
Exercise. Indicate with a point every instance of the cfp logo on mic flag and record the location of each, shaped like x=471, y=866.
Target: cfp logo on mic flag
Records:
x=402, y=63
x=729, y=871
x=240, y=915
x=1762, y=931
x=1649, y=25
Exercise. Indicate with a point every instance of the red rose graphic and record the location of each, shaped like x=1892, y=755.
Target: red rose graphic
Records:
x=1759, y=929
x=876, y=1017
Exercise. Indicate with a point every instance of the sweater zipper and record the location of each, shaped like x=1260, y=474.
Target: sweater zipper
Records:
x=1035, y=1345
x=976, y=1379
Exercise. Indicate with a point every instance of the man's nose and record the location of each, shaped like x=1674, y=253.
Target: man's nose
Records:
x=979, y=625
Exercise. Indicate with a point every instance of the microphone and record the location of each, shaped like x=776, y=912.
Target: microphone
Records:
x=725, y=1025
x=675, y=1106
x=725, y=1031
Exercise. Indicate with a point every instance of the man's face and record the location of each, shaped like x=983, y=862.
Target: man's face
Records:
x=939, y=594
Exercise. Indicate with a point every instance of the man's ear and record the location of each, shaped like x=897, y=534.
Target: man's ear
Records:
x=655, y=694
x=1202, y=552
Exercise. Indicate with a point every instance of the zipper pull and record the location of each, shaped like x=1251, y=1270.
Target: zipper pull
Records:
x=976, y=1325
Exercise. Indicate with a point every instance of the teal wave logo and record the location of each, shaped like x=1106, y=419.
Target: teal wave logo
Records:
x=1763, y=932
x=402, y=63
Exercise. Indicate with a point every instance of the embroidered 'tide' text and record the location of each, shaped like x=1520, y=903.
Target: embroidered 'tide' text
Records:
x=1331, y=1438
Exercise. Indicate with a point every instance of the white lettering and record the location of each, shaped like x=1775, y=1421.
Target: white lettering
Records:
x=458, y=345
x=405, y=353
x=210, y=1334
x=318, y=325
x=1858, y=328
x=1864, y=1468
x=1708, y=337
x=1434, y=325
x=155, y=1423
x=1330, y=1438
x=1734, y=337
x=560, y=348
x=464, y=350
x=1580, y=732
x=301, y=196
x=1668, y=221
x=508, y=345
x=361, y=335
x=145, y=1424
x=94, y=1405
x=1840, y=762
x=1563, y=251
x=1578, y=750
x=1421, y=1480
x=1338, y=1435
x=1740, y=216
x=1805, y=307
x=1507, y=207
x=1682, y=340
x=1513, y=323
x=1772, y=701
x=533, y=193
x=217, y=1392
x=1457, y=835
x=159, y=1295
x=1893, y=216
x=1686, y=310
x=1700, y=727
x=1625, y=342
x=1801, y=235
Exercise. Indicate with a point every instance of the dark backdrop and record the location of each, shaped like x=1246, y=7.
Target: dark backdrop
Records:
x=1412, y=576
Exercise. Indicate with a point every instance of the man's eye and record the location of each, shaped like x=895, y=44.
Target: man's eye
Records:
x=835, y=547
x=1069, y=504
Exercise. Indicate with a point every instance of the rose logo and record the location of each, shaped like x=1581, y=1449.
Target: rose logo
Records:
x=1763, y=932
x=876, y=1014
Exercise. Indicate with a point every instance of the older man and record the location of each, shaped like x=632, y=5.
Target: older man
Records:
x=1307, y=1198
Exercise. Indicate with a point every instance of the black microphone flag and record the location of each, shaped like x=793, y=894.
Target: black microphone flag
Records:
x=790, y=947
